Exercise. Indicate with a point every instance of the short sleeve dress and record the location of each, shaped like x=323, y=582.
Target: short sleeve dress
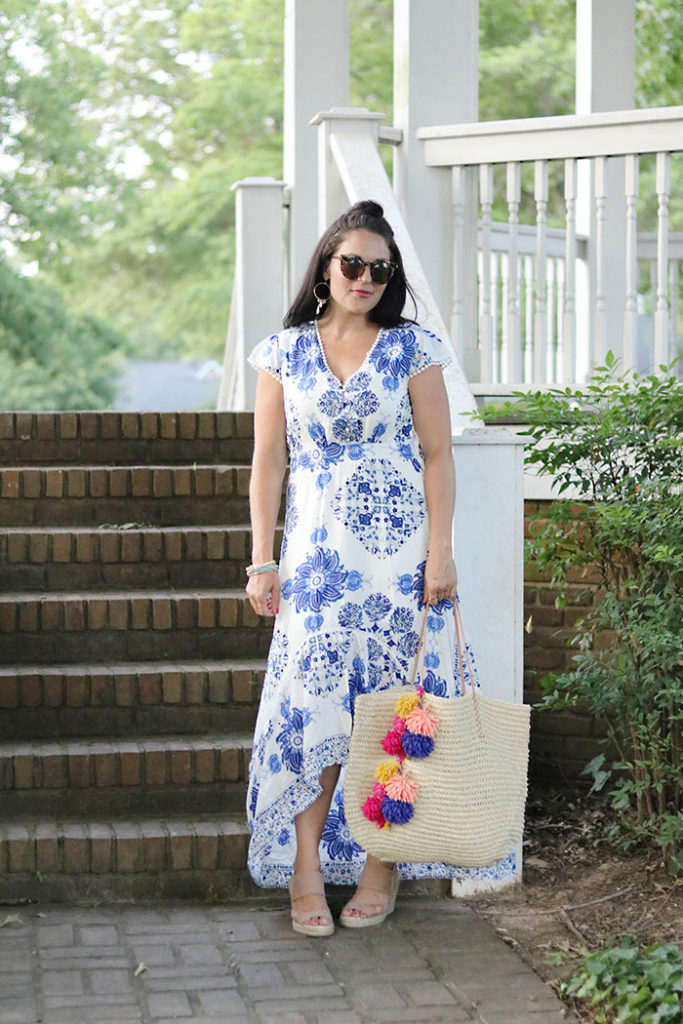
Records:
x=352, y=568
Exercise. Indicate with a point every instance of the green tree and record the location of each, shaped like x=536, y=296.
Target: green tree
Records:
x=205, y=85
x=49, y=359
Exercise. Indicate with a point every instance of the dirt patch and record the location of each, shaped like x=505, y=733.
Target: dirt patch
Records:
x=578, y=891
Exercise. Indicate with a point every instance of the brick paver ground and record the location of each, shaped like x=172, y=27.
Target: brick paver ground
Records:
x=433, y=960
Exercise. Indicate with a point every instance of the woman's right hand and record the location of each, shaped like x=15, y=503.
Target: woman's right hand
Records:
x=263, y=591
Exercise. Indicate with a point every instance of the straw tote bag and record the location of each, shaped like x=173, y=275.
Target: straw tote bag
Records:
x=437, y=779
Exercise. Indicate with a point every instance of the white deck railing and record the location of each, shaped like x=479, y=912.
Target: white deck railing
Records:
x=531, y=303
x=551, y=302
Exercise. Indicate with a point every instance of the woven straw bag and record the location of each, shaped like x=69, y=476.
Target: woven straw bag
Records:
x=468, y=793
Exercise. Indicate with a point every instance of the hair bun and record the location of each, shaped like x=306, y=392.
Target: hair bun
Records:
x=368, y=207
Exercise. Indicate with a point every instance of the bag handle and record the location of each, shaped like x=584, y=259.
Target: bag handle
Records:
x=463, y=656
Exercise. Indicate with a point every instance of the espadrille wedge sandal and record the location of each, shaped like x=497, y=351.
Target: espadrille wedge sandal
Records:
x=380, y=882
x=310, y=883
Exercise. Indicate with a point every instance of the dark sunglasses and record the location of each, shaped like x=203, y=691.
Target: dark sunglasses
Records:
x=353, y=267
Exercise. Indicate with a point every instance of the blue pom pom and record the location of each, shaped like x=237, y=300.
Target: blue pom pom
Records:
x=397, y=812
x=417, y=746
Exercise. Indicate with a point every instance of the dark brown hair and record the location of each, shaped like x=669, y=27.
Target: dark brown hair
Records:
x=366, y=216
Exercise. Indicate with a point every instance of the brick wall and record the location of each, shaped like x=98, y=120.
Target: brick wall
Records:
x=562, y=743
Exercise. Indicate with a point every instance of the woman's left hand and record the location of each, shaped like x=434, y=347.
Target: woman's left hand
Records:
x=441, y=579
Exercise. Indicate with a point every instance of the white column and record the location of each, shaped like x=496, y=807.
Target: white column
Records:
x=258, y=290
x=316, y=78
x=436, y=81
x=334, y=194
x=605, y=80
x=488, y=546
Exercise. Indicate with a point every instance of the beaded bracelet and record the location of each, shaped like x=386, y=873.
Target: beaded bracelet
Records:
x=253, y=570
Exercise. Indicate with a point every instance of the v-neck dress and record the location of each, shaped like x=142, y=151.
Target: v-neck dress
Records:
x=352, y=570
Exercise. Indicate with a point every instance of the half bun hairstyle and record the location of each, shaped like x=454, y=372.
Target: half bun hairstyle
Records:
x=366, y=215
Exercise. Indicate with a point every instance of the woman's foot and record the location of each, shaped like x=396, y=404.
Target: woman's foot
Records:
x=310, y=912
x=375, y=896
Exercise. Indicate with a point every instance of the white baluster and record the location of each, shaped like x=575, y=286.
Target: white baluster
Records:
x=541, y=198
x=458, y=305
x=600, y=350
x=529, y=318
x=674, y=269
x=513, y=363
x=504, y=305
x=495, y=316
x=560, y=268
x=550, y=321
x=661, y=353
x=569, y=317
x=631, y=308
x=486, y=320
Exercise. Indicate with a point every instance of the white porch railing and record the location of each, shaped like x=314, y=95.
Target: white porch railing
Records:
x=552, y=302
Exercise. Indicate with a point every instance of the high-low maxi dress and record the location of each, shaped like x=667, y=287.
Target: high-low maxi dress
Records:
x=352, y=571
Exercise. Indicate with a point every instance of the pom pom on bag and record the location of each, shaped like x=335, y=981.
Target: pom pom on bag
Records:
x=455, y=789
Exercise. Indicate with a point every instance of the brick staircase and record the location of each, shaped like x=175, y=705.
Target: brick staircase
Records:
x=130, y=659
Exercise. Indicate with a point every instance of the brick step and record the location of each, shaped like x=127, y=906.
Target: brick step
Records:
x=78, y=628
x=150, y=858
x=118, y=438
x=159, y=495
x=43, y=702
x=150, y=774
x=40, y=558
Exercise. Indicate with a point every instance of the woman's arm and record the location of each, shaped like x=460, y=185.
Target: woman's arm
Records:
x=265, y=489
x=433, y=426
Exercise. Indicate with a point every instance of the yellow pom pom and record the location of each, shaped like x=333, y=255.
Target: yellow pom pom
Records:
x=385, y=770
x=404, y=705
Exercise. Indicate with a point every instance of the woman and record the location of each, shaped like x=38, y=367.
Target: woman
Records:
x=354, y=394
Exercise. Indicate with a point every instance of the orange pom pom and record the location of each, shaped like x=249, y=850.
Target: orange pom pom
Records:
x=402, y=787
x=422, y=722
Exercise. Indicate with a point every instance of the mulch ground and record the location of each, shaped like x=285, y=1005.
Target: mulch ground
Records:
x=579, y=891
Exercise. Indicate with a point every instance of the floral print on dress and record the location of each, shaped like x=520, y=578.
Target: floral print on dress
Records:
x=352, y=568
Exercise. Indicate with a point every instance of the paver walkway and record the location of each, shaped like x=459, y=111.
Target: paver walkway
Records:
x=433, y=960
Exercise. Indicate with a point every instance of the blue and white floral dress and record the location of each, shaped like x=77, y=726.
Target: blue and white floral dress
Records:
x=352, y=568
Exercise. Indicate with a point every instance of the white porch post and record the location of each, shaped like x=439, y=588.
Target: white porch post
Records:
x=605, y=80
x=333, y=193
x=488, y=538
x=316, y=78
x=258, y=291
x=436, y=81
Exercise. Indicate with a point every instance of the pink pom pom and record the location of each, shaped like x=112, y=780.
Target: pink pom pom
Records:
x=372, y=809
x=420, y=691
x=402, y=787
x=391, y=744
x=379, y=791
x=399, y=726
x=381, y=821
x=422, y=722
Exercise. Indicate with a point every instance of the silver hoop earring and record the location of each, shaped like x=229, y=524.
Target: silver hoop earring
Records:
x=321, y=300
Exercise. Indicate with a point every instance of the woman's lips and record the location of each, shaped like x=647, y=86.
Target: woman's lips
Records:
x=361, y=293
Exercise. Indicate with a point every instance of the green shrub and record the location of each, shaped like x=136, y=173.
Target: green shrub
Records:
x=615, y=450
x=628, y=985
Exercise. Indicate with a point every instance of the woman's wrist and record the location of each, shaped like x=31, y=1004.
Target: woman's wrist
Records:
x=440, y=548
x=261, y=567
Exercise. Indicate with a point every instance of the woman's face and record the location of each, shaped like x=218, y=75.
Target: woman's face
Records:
x=362, y=295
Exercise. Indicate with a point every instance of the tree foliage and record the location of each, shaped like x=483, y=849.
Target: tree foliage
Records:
x=49, y=359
